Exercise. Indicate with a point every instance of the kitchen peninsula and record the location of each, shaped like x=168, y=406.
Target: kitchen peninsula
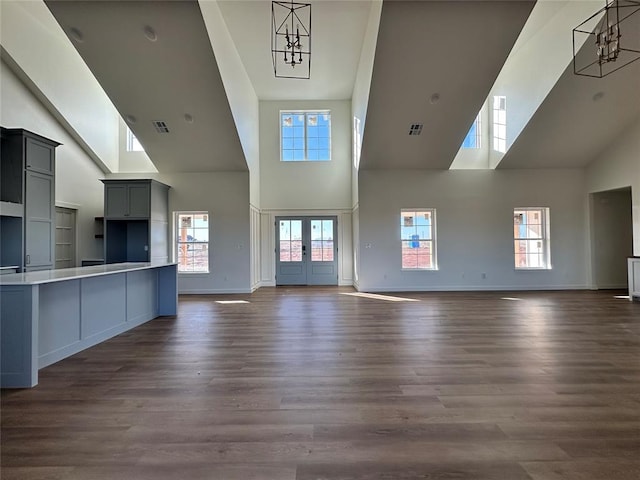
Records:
x=48, y=315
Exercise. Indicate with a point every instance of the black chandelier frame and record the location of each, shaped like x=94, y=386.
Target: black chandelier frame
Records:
x=291, y=39
x=609, y=54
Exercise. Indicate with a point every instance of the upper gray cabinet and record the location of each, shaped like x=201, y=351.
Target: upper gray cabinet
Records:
x=136, y=221
x=127, y=199
x=40, y=156
x=27, y=184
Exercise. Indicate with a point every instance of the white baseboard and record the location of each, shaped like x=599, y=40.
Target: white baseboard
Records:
x=472, y=288
x=617, y=286
x=214, y=291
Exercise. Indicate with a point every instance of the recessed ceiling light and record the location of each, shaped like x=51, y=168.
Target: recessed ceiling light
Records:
x=188, y=118
x=598, y=96
x=435, y=98
x=76, y=34
x=150, y=33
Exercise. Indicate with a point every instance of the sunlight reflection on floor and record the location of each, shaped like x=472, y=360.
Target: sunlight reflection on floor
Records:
x=380, y=297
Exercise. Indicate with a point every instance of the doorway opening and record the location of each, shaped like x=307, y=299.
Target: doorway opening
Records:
x=611, y=237
x=65, y=237
x=307, y=250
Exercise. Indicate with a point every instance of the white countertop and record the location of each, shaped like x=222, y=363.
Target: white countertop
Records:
x=61, y=274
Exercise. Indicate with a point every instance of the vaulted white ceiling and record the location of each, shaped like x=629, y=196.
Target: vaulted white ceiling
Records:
x=337, y=34
x=454, y=49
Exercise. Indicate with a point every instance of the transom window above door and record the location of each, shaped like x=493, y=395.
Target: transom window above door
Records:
x=305, y=136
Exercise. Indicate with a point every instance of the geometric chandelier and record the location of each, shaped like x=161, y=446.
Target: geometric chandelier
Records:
x=613, y=43
x=291, y=39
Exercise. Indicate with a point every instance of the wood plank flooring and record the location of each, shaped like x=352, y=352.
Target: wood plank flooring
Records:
x=311, y=384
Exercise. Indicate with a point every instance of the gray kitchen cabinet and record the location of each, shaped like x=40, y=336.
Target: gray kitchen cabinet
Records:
x=136, y=221
x=39, y=221
x=127, y=199
x=27, y=195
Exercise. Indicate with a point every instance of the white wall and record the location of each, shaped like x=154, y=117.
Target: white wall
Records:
x=474, y=228
x=361, y=88
x=240, y=92
x=77, y=176
x=225, y=195
x=305, y=185
x=612, y=237
x=617, y=167
x=33, y=39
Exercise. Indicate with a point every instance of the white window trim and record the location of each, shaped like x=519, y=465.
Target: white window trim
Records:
x=545, y=239
x=176, y=242
x=305, y=112
x=434, y=247
x=494, y=124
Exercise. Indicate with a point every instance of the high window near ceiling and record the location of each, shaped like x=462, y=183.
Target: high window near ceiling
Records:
x=192, y=242
x=418, y=237
x=500, y=123
x=531, y=238
x=133, y=145
x=305, y=136
x=472, y=140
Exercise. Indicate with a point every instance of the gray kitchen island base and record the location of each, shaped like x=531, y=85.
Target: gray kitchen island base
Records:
x=49, y=315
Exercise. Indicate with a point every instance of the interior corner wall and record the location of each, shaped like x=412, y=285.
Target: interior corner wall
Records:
x=616, y=167
x=77, y=176
x=305, y=185
x=241, y=95
x=361, y=89
x=356, y=246
x=256, y=253
x=474, y=228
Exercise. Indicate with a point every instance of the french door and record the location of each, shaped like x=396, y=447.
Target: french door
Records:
x=306, y=250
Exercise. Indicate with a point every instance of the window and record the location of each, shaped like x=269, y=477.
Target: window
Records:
x=133, y=145
x=472, y=140
x=500, y=123
x=531, y=238
x=322, y=241
x=418, y=238
x=192, y=237
x=305, y=136
x=357, y=142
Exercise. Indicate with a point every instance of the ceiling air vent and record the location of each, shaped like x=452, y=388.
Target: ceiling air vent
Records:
x=160, y=126
x=415, y=129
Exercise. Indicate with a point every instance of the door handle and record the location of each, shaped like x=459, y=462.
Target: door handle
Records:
x=28, y=259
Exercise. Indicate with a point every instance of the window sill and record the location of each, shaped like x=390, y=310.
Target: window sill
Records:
x=419, y=269
x=532, y=269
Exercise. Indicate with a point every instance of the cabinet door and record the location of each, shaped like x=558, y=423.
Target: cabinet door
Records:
x=139, y=200
x=39, y=156
x=115, y=200
x=39, y=224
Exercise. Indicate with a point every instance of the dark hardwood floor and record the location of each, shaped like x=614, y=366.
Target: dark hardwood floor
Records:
x=311, y=384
